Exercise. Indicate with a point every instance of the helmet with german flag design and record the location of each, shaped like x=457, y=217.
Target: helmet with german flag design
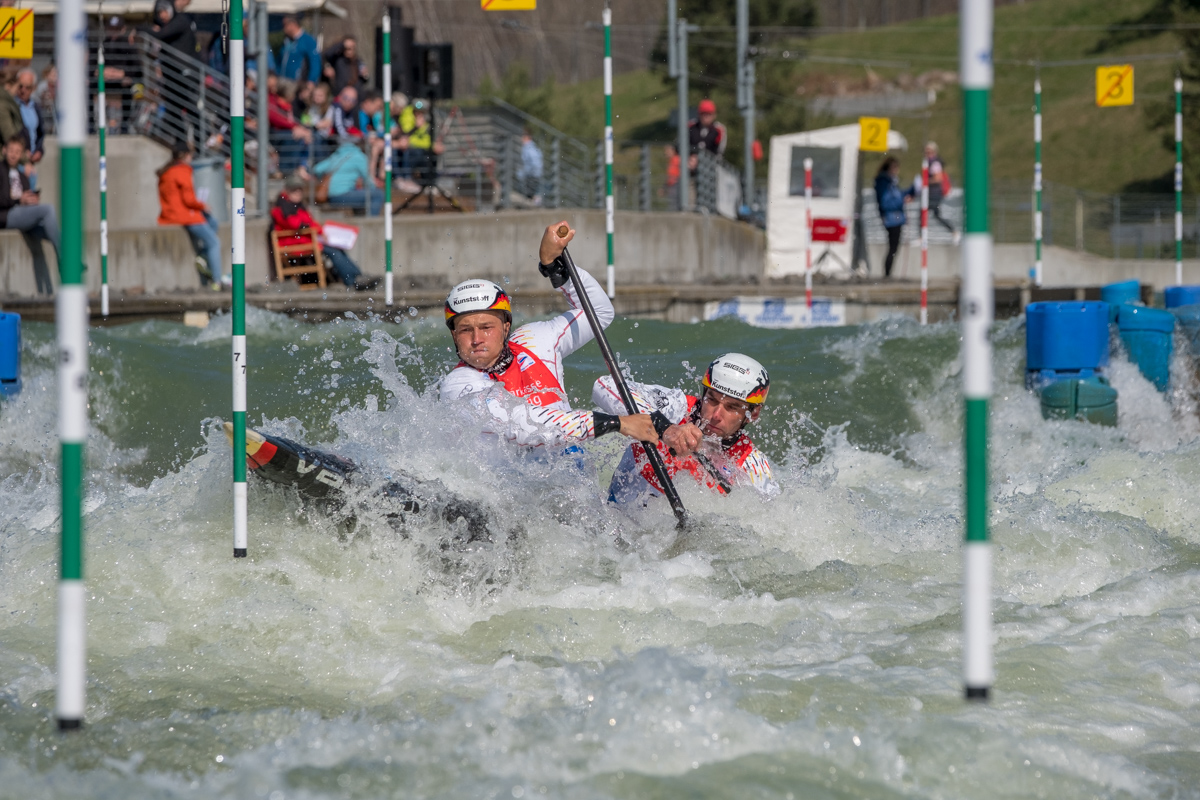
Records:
x=477, y=295
x=740, y=376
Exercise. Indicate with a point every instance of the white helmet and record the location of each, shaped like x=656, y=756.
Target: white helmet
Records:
x=477, y=295
x=738, y=376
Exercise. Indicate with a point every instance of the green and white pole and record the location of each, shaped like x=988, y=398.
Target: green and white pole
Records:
x=102, y=125
x=975, y=67
x=1037, y=181
x=1178, y=181
x=237, y=153
x=387, y=156
x=608, y=146
x=71, y=313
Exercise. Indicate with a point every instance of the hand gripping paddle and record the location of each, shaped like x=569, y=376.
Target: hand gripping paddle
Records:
x=652, y=454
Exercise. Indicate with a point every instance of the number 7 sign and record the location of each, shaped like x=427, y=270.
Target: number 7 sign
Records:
x=1114, y=85
x=16, y=33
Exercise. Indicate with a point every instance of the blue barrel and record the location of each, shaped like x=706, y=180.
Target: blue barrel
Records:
x=10, y=353
x=1149, y=336
x=1065, y=340
x=1187, y=319
x=1088, y=399
x=1121, y=293
x=1176, y=296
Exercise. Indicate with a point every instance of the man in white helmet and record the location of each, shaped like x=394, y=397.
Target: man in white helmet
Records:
x=702, y=436
x=532, y=408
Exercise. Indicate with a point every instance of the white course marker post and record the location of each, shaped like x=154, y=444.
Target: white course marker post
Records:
x=808, y=235
x=1178, y=181
x=608, y=146
x=237, y=154
x=102, y=125
x=1037, y=181
x=71, y=314
x=924, y=241
x=975, y=67
x=387, y=154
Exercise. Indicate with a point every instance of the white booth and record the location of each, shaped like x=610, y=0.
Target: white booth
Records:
x=834, y=153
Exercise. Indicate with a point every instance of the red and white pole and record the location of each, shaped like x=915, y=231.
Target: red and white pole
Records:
x=924, y=241
x=808, y=232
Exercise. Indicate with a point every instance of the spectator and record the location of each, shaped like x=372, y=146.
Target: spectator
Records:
x=31, y=115
x=939, y=186
x=174, y=27
x=318, y=116
x=122, y=73
x=11, y=123
x=705, y=133
x=416, y=146
x=20, y=210
x=299, y=60
x=345, y=115
x=350, y=181
x=46, y=96
x=890, y=200
x=671, y=185
x=529, y=173
x=288, y=137
x=343, y=67
x=289, y=214
x=370, y=122
x=177, y=198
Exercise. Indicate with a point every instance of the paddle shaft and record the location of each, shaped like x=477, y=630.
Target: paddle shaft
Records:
x=652, y=454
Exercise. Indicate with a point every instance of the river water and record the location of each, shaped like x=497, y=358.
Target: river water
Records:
x=805, y=647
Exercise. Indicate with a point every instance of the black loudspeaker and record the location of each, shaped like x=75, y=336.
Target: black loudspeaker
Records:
x=402, y=55
x=433, y=71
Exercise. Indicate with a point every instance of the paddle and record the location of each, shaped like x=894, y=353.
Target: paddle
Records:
x=652, y=454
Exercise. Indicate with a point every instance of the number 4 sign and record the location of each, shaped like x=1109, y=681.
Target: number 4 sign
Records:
x=1114, y=85
x=16, y=33
x=873, y=133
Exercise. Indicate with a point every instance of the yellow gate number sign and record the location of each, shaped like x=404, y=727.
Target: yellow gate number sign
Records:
x=16, y=33
x=1114, y=85
x=873, y=133
x=508, y=5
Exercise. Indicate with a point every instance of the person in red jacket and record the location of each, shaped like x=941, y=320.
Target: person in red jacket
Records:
x=289, y=213
x=177, y=199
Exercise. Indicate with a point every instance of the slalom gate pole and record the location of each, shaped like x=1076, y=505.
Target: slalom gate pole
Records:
x=71, y=321
x=975, y=67
x=387, y=154
x=101, y=127
x=1178, y=180
x=924, y=241
x=608, y=146
x=1037, y=181
x=808, y=232
x=652, y=454
x=237, y=153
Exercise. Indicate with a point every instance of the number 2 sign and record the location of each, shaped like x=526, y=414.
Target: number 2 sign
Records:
x=873, y=133
x=1114, y=85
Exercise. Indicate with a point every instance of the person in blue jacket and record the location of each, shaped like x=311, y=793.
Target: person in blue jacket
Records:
x=890, y=199
x=300, y=60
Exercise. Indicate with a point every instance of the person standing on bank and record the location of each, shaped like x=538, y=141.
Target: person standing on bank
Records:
x=890, y=200
x=939, y=187
x=20, y=210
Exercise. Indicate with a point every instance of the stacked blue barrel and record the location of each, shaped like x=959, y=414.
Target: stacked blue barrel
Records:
x=1184, y=303
x=1066, y=357
x=10, y=353
x=1148, y=334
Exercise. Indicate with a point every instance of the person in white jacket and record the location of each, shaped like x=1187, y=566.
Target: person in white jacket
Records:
x=516, y=381
x=702, y=436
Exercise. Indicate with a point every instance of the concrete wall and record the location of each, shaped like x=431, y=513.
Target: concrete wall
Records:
x=132, y=182
x=438, y=251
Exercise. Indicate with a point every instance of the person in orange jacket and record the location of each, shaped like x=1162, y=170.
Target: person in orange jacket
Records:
x=179, y=206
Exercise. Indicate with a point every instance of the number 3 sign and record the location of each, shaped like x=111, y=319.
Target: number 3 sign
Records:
x=873, y=133
x=1114, y=85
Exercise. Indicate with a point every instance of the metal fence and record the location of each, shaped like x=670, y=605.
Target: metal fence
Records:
x=1130, y=225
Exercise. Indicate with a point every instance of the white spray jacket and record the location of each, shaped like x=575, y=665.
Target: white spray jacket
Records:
x=527, y=404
